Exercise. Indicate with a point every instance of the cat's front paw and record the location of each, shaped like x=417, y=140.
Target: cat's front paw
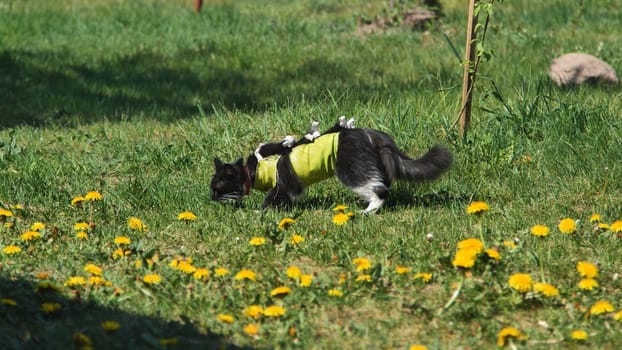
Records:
x=288, y=141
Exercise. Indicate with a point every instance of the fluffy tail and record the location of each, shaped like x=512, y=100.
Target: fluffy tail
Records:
x=428, y=167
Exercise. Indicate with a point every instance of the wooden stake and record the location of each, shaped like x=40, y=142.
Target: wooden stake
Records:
x=197, y=5
x=469, y=73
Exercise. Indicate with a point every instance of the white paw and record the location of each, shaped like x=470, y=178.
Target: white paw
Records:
x=342, y=121
x=289, y=141
x=315, y=126
x=350, y=124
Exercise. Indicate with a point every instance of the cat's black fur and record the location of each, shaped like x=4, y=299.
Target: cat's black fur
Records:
x=368, y=162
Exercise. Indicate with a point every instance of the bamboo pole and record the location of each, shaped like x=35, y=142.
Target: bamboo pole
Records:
x=469, y=72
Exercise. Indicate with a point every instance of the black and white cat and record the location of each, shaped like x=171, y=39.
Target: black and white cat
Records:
x=365, y=160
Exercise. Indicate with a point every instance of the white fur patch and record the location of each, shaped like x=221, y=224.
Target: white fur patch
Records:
x=367, y=192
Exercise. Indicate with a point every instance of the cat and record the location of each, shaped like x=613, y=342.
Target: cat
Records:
x=365, y=160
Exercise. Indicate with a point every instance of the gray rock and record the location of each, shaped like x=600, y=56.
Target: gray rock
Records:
x=579, y=68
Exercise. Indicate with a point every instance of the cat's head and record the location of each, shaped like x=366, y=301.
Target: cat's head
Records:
x=230, y=181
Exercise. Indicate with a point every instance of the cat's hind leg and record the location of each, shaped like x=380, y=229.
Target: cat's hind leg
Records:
x=374, y=192
x=275, y=148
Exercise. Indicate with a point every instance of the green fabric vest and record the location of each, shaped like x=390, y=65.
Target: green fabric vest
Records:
x=312, y=162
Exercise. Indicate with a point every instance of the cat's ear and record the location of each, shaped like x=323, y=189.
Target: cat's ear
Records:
x=239, y=162
x=218, y=163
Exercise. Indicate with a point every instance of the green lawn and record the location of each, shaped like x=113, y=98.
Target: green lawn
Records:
x=134, y=100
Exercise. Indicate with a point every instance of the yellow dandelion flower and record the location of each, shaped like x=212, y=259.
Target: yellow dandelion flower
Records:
x=579, y=334
x=417, y=347
x=186, y=267
x=567, y=226
x=42, y=275
x=477, y=207
x=306, y=280
x=93, y=196
x=280, y=291
x=186, y=216
x=152, y=278
x=50, y=307
x=362, y=264
x=603, y=226
x=257, y=241
x=245, y=274
x=293, y=272
x=424, y=276
x=251, y=329
x=402, y=270
x=493, y=254
x=616, y=227
x=595, y=218
x=546, y=289
x=509, y=332
x=285, y=223
x=274, y=311
x=81, y=226
x=136, y=224
x=138, y=263
x=122, y=240
x=110, y=326
x=201, y=274
x=93, y=269
x=521, y=282
x=221, y=271
x=618, y=316
x=253, y=311
x=588, y=284
x=540, y=231
x=82, y=235
x=168, y=341
x=37, y=226
x=587, y=269
x=472, y=244
x=11, y=249
x=465, y=258
x=74, y=281
x=82, y=340
x=342, y=278
x=46, y=287
x=8, y=302
x=340, y=207
x=335, y=293
x=30, y=236
x=363, y=278
x=509, y=244
x=75, y=201
x=341, y=219
x=601, y=307
x=225, y=318
x=99, y=281
x=296, y=239
x=5, y=213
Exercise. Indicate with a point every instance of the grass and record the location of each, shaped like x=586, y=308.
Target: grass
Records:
x=134, y=99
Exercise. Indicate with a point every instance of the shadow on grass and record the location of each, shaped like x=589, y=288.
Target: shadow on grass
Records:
x=401, y=196
x=48, y=87
x=25, y=326
x=40, y=87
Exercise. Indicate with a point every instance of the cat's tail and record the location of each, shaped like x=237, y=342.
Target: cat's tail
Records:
x=428, y=167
